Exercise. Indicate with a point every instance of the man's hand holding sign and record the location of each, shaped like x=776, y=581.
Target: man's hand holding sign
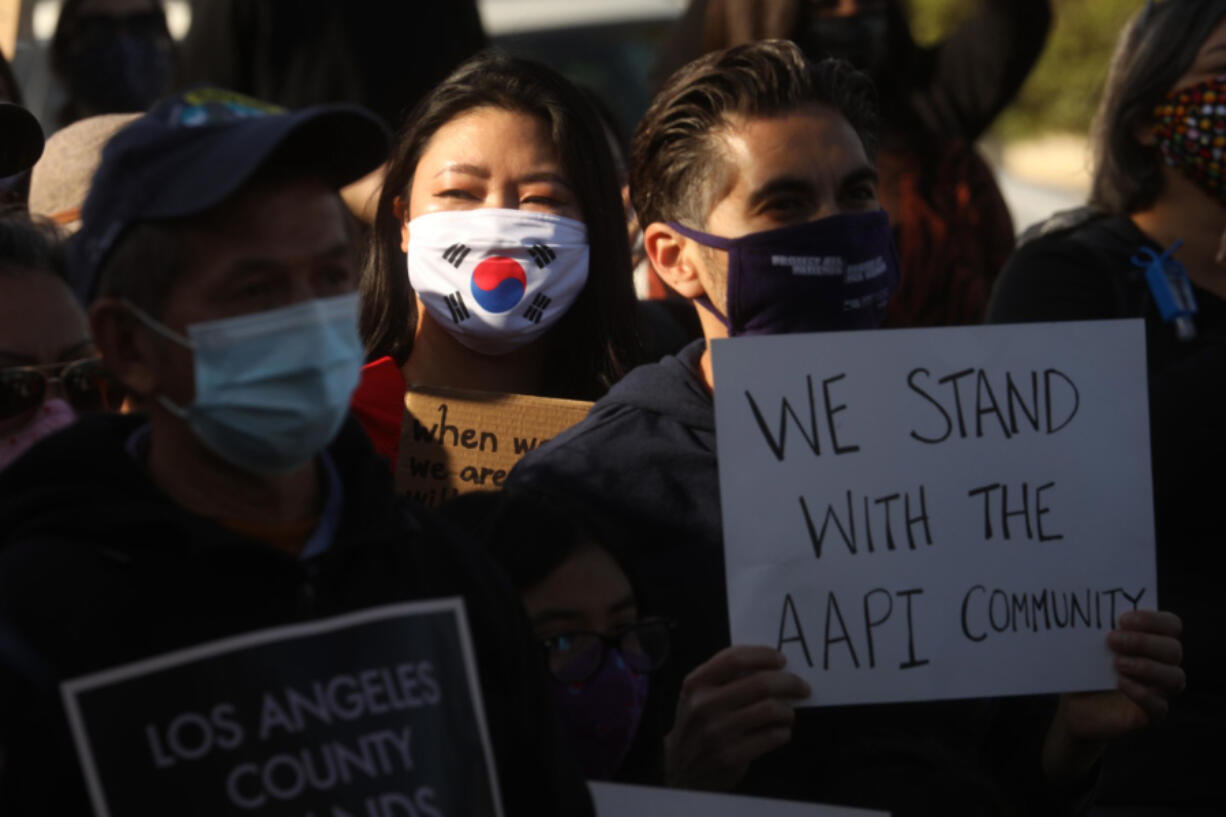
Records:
x=924, y=515
x=1147, y=655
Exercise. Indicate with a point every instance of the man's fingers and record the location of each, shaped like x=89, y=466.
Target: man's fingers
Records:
x=751, y=689
x=733, y=663
x=1157, y=622
x=1165, y=649
x=1167, y=677
x=750, y=719
x=740, y=753
x=1153, y=702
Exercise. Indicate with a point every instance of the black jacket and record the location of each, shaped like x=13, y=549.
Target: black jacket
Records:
x=644, y=461
x=1077, y=266
x=98, y=568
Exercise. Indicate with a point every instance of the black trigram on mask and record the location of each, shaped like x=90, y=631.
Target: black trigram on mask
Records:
x=542, y=255
x=455, y=254
x=537, y=310
x=459, y=311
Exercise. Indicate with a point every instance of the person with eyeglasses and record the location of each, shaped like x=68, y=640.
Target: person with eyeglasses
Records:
x=49, y=369
x=602, y=648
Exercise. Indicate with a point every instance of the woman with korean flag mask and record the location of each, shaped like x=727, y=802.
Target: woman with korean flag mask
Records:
x=498, y=251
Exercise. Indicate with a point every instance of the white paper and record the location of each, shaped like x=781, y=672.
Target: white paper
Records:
x=937, y=608
x=617, y=800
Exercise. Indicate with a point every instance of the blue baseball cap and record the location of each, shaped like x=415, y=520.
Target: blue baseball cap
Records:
x=197, y=148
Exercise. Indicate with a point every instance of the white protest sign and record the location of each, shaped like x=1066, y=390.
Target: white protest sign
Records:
x=618, y=800
x=938, y=513
x=371, y=714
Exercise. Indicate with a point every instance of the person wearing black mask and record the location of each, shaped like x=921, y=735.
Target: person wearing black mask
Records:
x=111, y=56
x=952, y=226
x=748, y=156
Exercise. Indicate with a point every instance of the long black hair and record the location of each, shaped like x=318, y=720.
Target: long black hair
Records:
x=1158, y=47
x=596, y=342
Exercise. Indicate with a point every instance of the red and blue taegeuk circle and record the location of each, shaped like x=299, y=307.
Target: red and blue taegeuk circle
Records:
x=499, y=284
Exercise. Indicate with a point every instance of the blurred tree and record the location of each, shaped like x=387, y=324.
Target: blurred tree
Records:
x=1063, y=91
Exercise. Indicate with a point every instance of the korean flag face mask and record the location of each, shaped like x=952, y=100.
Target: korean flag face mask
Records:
x=497, y=279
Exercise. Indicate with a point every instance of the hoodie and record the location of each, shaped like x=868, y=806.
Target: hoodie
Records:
x=644, y=464
x=99, y=568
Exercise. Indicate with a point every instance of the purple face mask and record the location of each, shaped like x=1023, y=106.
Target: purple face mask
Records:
x=602, y=714
x=820, y=276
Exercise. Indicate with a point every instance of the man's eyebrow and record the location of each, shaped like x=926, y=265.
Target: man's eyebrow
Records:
x=466, y=169
x=861, y=174
x=782, y=184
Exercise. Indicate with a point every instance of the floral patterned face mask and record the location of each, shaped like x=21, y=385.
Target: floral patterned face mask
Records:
x=1191, y=129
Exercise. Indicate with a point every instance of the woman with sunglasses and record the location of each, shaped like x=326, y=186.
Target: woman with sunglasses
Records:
x=601, y=652
x=49, y=370
x=1149, y=246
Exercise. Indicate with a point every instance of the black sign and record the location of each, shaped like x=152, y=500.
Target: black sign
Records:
x=372, y=714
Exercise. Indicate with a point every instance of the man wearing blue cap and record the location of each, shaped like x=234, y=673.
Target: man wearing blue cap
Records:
x=222, y=269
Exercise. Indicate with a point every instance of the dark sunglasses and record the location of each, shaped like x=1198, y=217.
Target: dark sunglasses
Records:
x=576, y=657
x=85, y=384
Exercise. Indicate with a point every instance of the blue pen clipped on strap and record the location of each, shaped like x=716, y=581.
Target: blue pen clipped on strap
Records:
x=1172, y=290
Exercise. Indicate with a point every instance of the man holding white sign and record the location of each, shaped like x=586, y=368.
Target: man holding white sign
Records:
x=753, y=179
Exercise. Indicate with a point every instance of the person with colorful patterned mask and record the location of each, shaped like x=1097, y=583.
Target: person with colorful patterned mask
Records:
x=1149, y=245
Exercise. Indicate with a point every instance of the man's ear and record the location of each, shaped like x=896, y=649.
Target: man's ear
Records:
x=401, y=210
x=126, y=351
x=675, y=259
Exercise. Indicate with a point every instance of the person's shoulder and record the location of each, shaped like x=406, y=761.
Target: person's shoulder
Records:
x=653, y=408
x=1072, y=266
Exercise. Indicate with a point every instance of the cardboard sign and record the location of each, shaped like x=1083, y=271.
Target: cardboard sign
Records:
x=616, y=800
x=944, y=513
x=454, y=442
x=371, y=714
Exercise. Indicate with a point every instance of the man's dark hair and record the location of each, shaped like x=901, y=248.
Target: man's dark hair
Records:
x=595, y=342
x=1155, y=50
x=676, y=166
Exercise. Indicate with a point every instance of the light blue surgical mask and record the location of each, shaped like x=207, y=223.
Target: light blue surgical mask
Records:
x=272, y=388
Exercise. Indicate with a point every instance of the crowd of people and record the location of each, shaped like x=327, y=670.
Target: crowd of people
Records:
x=212, y=301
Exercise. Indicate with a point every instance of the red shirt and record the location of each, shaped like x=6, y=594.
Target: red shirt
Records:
x=378, y=404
